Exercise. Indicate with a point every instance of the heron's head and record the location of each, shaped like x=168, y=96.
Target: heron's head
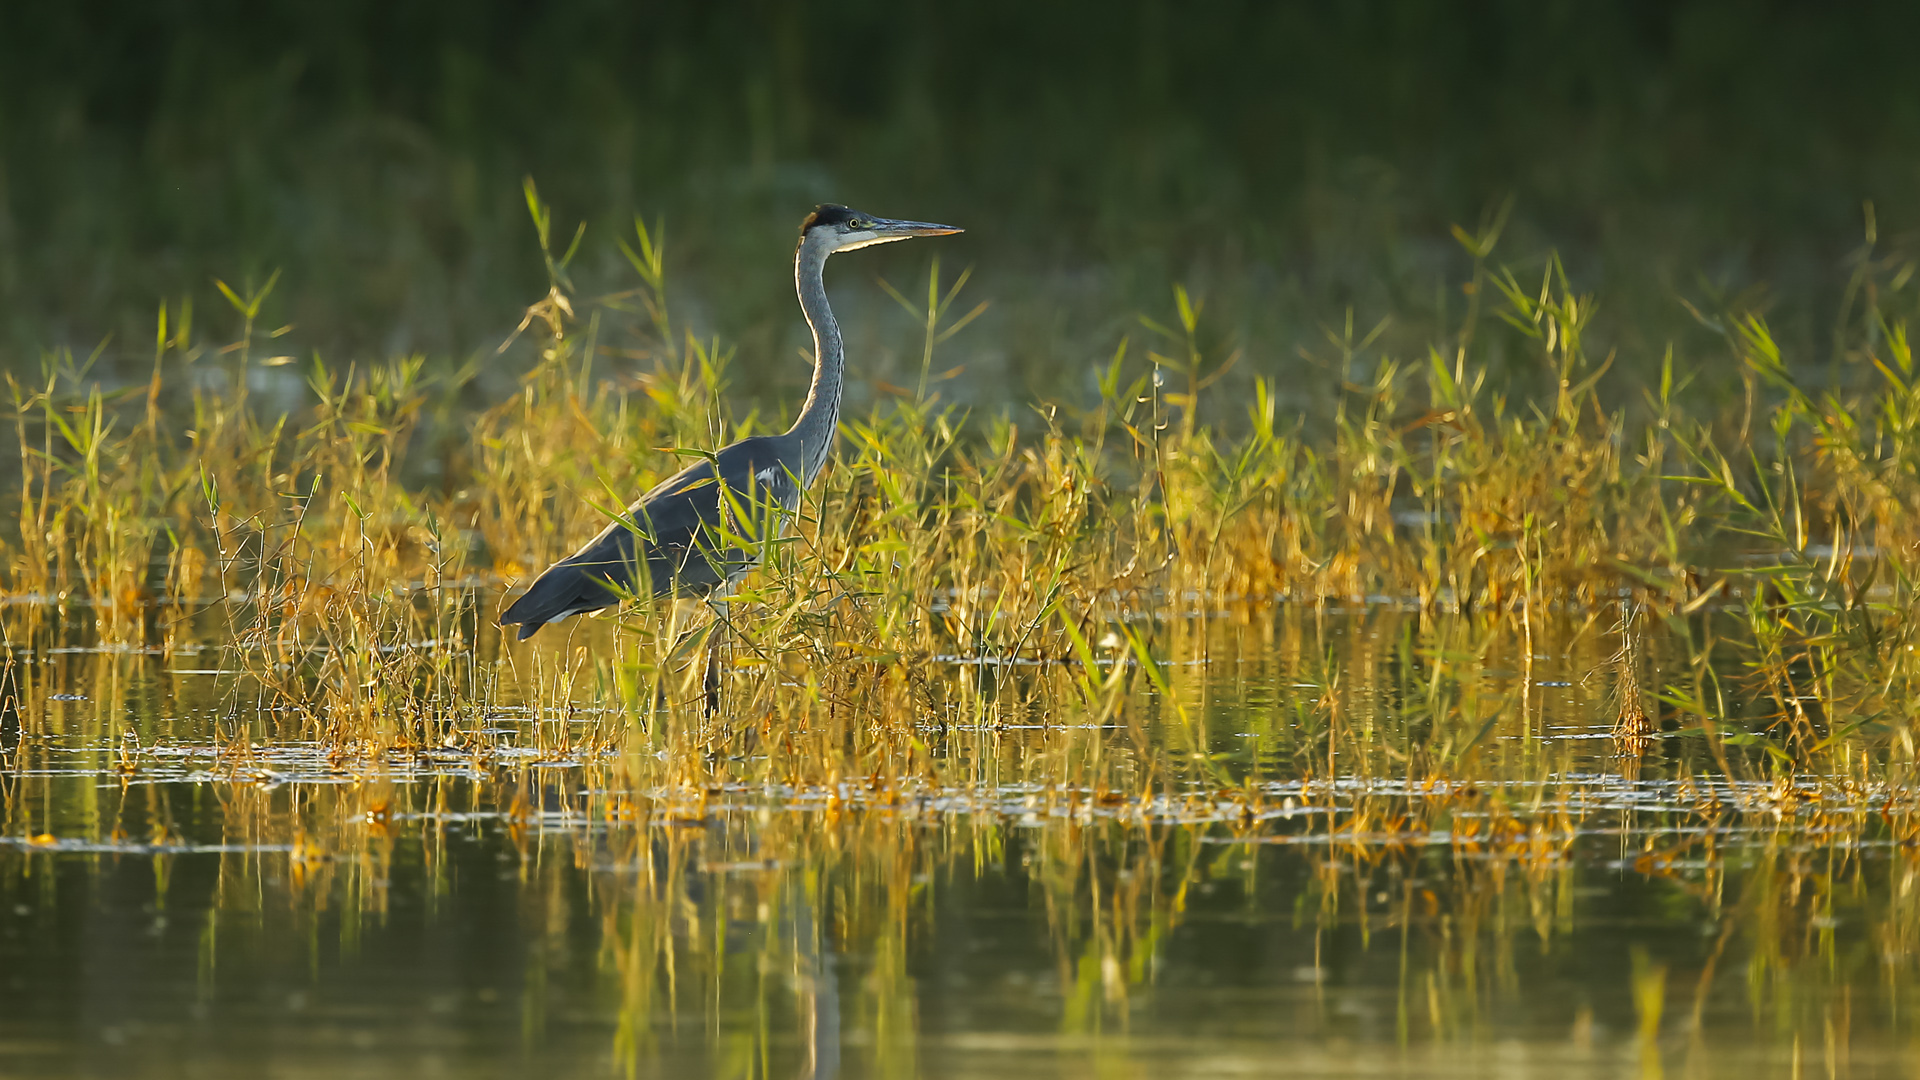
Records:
x=841, y=229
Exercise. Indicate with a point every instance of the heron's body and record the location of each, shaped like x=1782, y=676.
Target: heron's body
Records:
x=700, y=530
x=679, y=539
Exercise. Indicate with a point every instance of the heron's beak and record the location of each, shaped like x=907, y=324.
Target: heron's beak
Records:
x=890, y=227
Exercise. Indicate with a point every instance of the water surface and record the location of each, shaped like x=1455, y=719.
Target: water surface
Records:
x=1353, y=850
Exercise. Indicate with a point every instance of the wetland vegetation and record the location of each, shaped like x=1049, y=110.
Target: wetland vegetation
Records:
x=1441, y=657
x=1430, y=708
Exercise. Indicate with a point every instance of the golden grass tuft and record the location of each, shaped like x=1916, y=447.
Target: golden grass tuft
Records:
x=349, y=556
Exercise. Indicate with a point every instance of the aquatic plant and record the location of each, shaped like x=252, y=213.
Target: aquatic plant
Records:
x=348, y=553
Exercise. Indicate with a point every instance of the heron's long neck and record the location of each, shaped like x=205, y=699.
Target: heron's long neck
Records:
x=819, y=418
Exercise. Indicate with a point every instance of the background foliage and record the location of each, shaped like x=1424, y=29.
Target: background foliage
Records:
x=1286, y=161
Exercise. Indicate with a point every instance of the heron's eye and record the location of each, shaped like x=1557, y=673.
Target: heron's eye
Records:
x=858, y=225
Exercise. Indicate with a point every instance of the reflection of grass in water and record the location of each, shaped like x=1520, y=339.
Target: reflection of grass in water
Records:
x=1649, y=997
x=1015, y=638
x=756, y=919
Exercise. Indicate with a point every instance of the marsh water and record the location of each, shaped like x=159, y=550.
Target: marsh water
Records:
x=1524, y=896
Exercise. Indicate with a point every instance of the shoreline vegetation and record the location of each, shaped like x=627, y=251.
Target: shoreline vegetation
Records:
x=349, y=552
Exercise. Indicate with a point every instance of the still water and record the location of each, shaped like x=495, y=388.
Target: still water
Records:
x=1531, y=900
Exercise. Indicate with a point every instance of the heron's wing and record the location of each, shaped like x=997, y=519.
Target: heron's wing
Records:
x=562, y=591
x=707, y=524
x=695, y=530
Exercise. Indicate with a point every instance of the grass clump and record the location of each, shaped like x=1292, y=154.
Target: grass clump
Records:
x=348, y=554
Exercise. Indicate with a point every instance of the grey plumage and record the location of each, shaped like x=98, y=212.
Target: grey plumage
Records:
x=686, y=537
x=705, y=527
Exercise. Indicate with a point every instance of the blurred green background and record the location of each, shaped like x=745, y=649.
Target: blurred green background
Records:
x=1286, y=161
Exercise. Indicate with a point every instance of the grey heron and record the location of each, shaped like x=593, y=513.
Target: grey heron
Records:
x=685, y=538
